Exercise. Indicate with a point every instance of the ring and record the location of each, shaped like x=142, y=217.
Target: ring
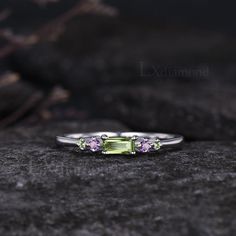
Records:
x=120, y=142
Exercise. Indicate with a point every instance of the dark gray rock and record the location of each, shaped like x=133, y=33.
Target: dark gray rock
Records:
x=106, y=80
x=49, y=190
x=115, y=48
x=202, y=112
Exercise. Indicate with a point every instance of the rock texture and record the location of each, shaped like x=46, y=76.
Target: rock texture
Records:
x=196, y=112
x=94, y=65
x=106, y=79
x=50, y=190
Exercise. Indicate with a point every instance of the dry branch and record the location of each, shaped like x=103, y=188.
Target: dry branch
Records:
x=82, y=7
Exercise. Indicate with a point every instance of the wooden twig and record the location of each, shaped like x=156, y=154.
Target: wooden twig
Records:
x=83, y=7
x=22, y=110
x=8, y=78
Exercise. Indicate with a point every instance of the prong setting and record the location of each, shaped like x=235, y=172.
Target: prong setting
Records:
x=135, y=137
x=104, y=137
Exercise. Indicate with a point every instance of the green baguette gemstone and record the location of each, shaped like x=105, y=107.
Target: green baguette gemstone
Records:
x=118, y=145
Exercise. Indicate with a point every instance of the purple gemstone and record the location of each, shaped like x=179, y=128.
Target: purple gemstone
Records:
x=144, y=145
x=94, y=144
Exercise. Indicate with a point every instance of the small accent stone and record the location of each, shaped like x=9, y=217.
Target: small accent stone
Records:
x=143, y=145
x=93, y=144
x=157, y=145
x=82, y=144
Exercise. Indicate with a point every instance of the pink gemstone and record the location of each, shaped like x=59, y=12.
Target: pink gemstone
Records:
x=94, y=144
x=144, y=145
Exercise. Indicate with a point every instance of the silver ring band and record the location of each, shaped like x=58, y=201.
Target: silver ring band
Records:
x=120, y=142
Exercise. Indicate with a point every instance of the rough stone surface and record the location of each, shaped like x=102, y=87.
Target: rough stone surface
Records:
x=198, y=113
x=106, y=75
x=49, y=190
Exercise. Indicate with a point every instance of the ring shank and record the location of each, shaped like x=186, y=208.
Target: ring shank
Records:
x=165, y=139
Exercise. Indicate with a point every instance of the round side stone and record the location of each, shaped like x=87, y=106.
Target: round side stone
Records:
x=94, y=144
x=82, y=144
x=143, y=145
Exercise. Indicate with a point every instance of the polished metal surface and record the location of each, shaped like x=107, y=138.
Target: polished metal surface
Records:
x=165, y=139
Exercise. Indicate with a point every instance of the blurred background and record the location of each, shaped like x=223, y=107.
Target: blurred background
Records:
x=152, y=65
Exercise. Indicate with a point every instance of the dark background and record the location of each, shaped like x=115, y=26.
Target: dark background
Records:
x=94, y=57
x=143, y=65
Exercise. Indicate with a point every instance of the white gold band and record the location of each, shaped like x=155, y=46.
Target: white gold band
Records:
x=120, y=142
